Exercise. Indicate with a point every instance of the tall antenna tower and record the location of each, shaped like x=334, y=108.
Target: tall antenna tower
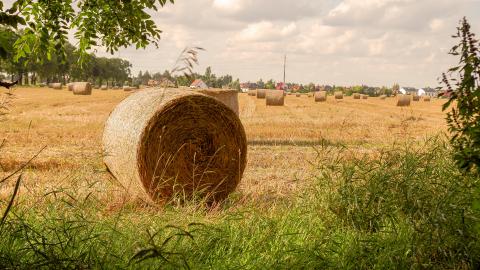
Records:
x=284, y=68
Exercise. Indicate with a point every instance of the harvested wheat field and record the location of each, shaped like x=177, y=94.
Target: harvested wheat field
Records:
x=281, y=140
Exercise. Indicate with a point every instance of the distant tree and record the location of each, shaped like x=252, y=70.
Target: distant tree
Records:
x=396, y=89
x=261, y=84
x=270, y=84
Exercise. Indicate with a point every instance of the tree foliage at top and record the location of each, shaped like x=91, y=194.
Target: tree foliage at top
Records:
x=463, y=86
x=109, y=23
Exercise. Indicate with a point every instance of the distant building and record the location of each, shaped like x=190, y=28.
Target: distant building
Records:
x=152, y=83
x=410, y=90
x=199, y=84
x=281, y=86
x=248, y=86
x=430, y=92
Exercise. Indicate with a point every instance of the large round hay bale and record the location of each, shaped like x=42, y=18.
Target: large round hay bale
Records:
x=226, y=96
x=252, y=93
x=416, y=98
x=364, y=97
x=320, y=96
x=82, y=88
x=261, y=93
x=275, y=98
x=426, y=98
x=127, y=88
x=162, y=144
x=403, y=101
x=357, y=96
x=338, y=95
x=104, y=87
x=57, y=86
x=383, y=97
x=70, y=86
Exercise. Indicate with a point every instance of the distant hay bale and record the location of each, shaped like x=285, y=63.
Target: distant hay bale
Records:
x=252, y=93
x=416, y=98
x=320, y=96
x=50, y=85
x=82, y=88
x=290, y=93
x=298, y=95
x=42, y=85
x=275, y=98
x=310, y=95
x=383, y=97
x=403, y=101
x=364, y=96
x=338, y=95
x=261, y=93
x=104, y=87
x=127, y=88
x=162, y=144
x=57, y=86
x=356, y=96
x=228, y=97
x=70, y=86
x=426, y=99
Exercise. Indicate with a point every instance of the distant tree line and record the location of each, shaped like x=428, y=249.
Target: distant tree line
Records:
x=98, y=70
x=211, y=79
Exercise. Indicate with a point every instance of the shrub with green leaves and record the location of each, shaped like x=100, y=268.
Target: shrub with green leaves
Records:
x=463, y=86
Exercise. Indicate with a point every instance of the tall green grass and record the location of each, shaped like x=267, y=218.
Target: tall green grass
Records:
x=402, y=207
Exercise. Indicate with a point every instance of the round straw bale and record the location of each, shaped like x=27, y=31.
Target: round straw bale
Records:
x=320, y=96
x=50, y=85
x=426, y=98
x=82, y=88
x=383, y=97
x=275, y=98
x=162, y=144
x=356, y=96
x=252, y=93
x=403, y=101
x=416, y=98
x=310, y=95
x=42, y=85
x=364, y=97
x=127, y=88
x=226, y=96
x=261, y=93
x=298, y=95
x=338, y=95
x=57, y=86
x=104, y=87
x=70, y=86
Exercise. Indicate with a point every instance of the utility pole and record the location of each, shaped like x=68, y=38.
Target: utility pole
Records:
x=284, y=68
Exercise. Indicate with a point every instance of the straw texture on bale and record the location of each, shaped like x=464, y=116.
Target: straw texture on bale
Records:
x=163, y=143
x=82, y=88
x=275, y=98
x=403, y=101
x=320, y=96
x=364, y=97
x=226, y=96
x=416, y=98
x=338, y=95
x=356, y=96
x=252, y=93
x=104, y=87
x=261, y=93
x=57, y=86
x=383, y=97
x=70, y=86
x=426, y=99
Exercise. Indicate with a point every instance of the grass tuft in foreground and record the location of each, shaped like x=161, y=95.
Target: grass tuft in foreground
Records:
x=403, y=207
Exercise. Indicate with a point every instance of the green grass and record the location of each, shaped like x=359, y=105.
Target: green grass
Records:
x=403, y=207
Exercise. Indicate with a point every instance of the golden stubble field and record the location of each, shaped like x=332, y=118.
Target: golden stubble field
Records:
x=283, y=141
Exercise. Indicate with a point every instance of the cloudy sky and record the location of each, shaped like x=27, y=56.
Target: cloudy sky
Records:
x=342, y=42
